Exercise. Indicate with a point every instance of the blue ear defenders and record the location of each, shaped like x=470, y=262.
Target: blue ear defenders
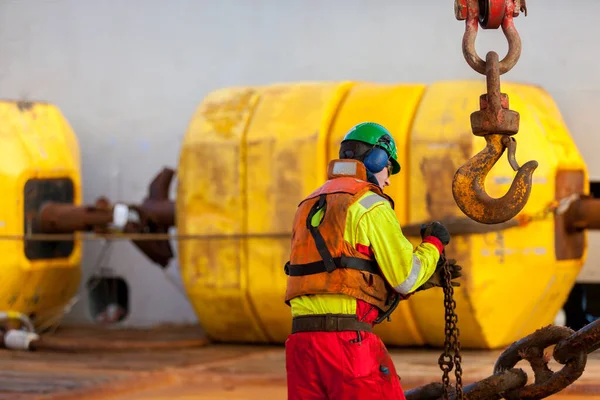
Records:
x=377, y=158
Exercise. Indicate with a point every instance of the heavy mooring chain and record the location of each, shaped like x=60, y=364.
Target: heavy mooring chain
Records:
x=451, y=342
x=571, y=350
x=531, y=349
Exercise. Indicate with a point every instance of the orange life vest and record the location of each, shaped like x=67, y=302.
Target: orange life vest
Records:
x=321, y=260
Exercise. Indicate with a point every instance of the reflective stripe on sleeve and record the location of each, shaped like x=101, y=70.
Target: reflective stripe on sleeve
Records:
x=406, y=286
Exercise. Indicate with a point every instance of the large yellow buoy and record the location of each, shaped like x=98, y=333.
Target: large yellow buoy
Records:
x=252, y=153
x=39, y=162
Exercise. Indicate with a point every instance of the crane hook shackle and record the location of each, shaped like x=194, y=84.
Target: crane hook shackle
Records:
x=491, y=14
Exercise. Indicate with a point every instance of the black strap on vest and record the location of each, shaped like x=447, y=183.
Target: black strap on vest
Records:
x=328, y=263
x=341, y=262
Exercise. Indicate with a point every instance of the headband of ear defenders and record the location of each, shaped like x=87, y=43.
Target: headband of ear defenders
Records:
x=375, y=158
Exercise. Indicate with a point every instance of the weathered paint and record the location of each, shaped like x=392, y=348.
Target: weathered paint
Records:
x=283, y=149
x=37, y=143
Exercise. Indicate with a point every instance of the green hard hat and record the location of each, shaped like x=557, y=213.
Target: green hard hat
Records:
x=375, y=134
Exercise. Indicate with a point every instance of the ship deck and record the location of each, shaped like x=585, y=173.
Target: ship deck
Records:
x=105, y=368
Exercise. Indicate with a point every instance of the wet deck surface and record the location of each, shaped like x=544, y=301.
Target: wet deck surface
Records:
x=212, y=372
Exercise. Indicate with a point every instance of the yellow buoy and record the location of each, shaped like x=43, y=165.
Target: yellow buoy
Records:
x=39, y=162
x=252, y=153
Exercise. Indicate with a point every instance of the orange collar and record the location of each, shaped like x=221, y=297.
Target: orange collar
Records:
x=346, y=168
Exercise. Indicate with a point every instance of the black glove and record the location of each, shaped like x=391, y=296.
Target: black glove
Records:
x=436, y=229
x=438, y=277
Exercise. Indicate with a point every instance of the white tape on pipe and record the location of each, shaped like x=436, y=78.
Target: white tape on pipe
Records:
x=18, y=340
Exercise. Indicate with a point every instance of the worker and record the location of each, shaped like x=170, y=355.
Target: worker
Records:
x=349, y=265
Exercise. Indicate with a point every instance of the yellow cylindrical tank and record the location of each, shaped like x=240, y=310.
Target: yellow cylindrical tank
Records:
x=252, y=153
x=39, y=162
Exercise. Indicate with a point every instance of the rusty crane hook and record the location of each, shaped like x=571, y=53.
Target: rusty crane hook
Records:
x=496, y=122
x=468, y=186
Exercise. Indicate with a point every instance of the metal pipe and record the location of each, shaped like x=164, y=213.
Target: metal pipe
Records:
x=68, y=218
x=21, y=340
x=583, y=213
x=156, y=209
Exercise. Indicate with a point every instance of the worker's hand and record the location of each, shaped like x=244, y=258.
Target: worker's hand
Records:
x=454, y=271
x=438, y=278
x=436, y=229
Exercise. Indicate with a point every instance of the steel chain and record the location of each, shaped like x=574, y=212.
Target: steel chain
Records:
x=451, y=342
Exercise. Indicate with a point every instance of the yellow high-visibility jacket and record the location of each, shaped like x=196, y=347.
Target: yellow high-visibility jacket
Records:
x=372, y=224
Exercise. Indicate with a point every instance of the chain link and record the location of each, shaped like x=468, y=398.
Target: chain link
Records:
x=451, y=357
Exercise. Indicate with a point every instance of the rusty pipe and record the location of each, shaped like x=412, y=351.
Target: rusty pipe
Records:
x=68, y=218
x=21, y=340
x=153, y=216
x=156, y=214
x=583, y=213
x=156, y=209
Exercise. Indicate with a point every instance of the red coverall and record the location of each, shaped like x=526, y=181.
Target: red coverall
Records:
x=334, y=365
